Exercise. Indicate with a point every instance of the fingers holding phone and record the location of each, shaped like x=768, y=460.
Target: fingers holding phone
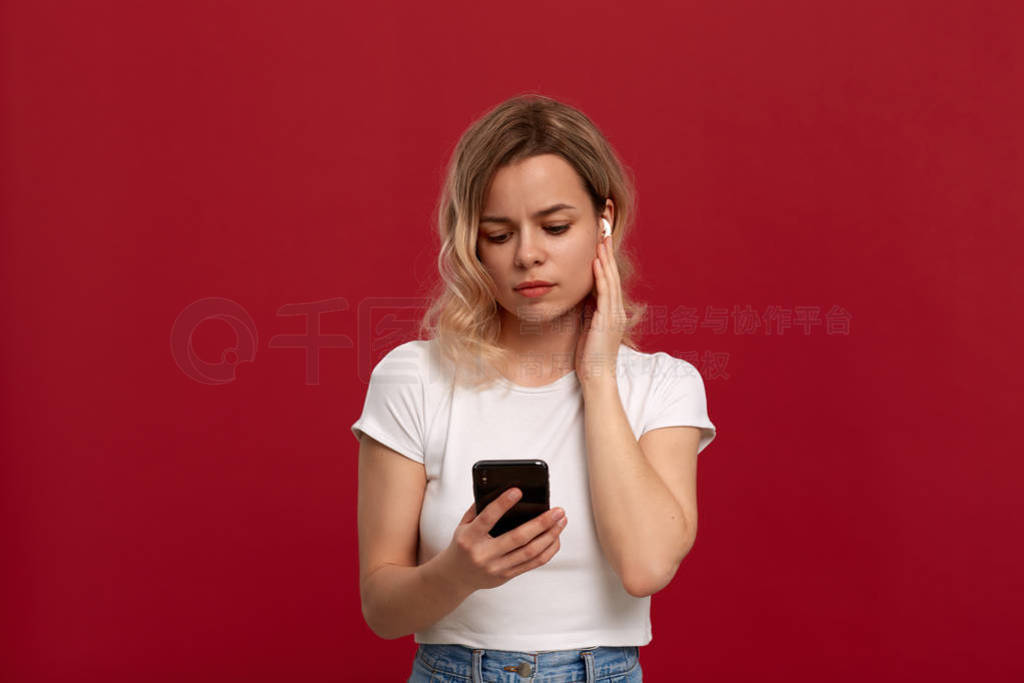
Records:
x=532, y=543
x=479, y=560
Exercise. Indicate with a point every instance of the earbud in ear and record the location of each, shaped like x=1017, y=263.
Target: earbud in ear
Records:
x=607, y=228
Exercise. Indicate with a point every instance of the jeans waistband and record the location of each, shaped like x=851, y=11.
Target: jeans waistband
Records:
x=552, y=665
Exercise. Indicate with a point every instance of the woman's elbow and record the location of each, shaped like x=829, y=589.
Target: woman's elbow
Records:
x=378, y=629
x=645, y=581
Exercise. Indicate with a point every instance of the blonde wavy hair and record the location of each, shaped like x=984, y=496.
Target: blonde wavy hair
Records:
x=463, y=314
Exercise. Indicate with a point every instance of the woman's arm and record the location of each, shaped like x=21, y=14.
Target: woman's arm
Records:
x=400, y=600
x=643, y=496
x=644, y=530
x=398, y=597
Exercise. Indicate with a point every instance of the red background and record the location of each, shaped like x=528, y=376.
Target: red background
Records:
x=860, y=511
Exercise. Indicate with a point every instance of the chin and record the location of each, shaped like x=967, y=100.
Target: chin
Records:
x=544, y=312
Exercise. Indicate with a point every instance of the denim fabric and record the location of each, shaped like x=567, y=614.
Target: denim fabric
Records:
x=461, y=664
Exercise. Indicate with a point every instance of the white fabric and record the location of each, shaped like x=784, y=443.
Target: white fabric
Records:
x=575, y=600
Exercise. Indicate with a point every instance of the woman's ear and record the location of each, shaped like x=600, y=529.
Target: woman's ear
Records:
x=608, y=214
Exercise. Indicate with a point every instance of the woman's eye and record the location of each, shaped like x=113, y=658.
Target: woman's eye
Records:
x=553, y=229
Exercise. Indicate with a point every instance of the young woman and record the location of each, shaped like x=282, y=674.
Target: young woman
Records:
x=527, y=353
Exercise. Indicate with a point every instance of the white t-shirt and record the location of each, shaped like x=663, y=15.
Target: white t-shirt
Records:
x=575, y=599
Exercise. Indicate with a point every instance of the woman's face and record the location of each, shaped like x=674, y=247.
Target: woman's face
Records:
x=521, y=239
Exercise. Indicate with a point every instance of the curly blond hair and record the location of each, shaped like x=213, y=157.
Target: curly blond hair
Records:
x=463, y=314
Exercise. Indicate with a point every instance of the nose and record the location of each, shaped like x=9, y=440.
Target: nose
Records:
x=529, y=250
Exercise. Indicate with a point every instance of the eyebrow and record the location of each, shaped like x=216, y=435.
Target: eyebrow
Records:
x=539, y=214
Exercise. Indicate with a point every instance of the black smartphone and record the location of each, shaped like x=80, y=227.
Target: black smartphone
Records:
x=491, y=478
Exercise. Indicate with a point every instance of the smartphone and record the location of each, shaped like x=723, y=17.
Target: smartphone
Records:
x=491, y=478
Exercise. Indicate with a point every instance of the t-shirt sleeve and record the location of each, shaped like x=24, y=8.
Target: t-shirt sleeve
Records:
x=393, y=412
x=679, y=400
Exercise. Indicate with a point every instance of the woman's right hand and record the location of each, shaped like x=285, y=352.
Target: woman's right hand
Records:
x=476, y=559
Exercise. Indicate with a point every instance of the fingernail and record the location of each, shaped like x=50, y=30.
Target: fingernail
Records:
x=562, y=521
x=558, y=513
x=513, y=494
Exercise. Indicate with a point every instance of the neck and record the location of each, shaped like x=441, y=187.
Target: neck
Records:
x=541, y=349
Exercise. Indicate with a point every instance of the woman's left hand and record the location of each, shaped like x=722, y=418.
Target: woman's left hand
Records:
x=597, y=348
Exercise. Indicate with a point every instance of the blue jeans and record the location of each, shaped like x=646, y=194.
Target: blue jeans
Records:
x=461, y=664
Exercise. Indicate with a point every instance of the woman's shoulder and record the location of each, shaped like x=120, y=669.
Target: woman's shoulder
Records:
x=415, y=350
x=418, y=358
x=654, y=363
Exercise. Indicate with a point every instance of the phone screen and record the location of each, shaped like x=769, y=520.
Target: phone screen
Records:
x=491, y=478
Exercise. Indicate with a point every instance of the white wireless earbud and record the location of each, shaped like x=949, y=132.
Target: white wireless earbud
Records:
x=607, y=228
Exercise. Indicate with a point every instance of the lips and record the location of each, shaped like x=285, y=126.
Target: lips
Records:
x=534, y=283
x=534, y=292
